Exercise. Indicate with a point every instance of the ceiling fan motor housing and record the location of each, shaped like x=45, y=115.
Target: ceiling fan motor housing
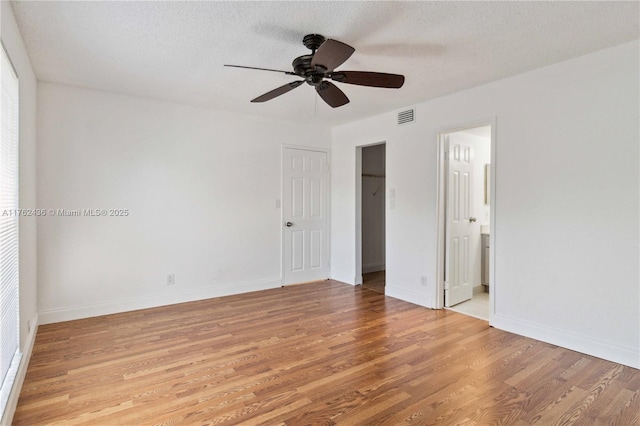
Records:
x=312, y=75
x=302, y=64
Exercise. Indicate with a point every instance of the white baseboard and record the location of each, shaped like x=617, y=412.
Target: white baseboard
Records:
x=478, y=289
x=622, y=355
x=152, y=301
x=12, y=402
x=373, y=267
x=345, y=277
x=417, y=298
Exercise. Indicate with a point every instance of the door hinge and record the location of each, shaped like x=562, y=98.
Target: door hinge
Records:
x=446, y=286
x=446, y=155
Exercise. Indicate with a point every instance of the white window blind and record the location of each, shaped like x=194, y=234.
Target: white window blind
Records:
x=9, y=347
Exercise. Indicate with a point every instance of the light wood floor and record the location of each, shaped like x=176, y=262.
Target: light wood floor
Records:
x=323, y=353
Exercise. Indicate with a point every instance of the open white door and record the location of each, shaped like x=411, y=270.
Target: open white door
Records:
x=459, y=220
x=305, y=243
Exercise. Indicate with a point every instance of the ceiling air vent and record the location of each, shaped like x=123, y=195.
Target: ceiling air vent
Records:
x=406, y=117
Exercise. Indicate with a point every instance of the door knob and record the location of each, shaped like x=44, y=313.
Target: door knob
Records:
x=472, y=219
x=288, y=224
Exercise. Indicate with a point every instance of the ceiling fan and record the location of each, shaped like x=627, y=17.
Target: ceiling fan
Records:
x=326, y=55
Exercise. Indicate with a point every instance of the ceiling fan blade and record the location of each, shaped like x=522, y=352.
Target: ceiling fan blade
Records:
x=261, y=69
x=277, y=92
x=330, y=93
x=332, y=54
x=366, y=78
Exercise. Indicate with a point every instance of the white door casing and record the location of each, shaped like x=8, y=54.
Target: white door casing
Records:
x=305, y=175
x=459, y=222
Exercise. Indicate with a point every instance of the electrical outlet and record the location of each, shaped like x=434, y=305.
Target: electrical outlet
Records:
x=423, y=280
x=171, y=279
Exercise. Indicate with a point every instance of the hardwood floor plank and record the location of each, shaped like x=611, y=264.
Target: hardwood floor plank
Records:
x=325, y=410
x=630, y=413
x=580, y=410
x=321, y=353
x=372, y=407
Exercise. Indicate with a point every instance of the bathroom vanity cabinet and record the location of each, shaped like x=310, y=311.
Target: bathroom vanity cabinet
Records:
x=485, y=259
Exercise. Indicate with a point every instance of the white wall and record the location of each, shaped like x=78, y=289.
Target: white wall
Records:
x=373, y=207
x=14, y=45
x=200, y=187
x=566, y=228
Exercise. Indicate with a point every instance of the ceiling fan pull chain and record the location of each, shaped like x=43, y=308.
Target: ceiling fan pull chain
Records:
x=315, y=107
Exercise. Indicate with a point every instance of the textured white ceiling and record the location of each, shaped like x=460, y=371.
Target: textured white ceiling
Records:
x=176, y=50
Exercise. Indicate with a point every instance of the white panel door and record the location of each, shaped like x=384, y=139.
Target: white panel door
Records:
x=458, y=283
x=305, y=245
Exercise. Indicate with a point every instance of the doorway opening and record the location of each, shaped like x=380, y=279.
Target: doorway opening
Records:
x=465, y=217
x=372, y=218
